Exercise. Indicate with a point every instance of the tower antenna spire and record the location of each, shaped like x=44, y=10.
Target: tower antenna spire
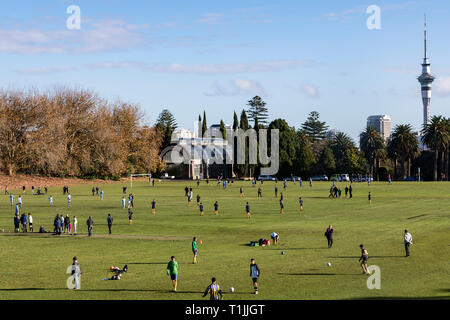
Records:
x=425, y=35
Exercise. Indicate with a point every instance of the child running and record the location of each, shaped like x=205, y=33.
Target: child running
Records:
x=247, y=209
x=172, y=271
x=154, y=206
x=194, y=250
x=364, y=257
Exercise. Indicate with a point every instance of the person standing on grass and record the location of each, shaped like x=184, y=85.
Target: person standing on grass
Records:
x=407, y=239
x=24, y=222
x=130, y=216
x=363, y=259
x=90, y=225
x=201, y=209
x=247, y=210
x=123, y=202
x=300, y=201
x=259, y=192
x=281, y=206
x=198, y=199
x=69, y=199
x=19, y=199
x=329, y=235
x=194, y=250
x=101, y=194
x=110, y=222
x=57, y=225
x=6, y=190
x=186, y=190
x=370, y=198
x=76, y=273
x=241, y=191
x=50, y=200
x=214, y=290
x=67, y=224
x=154, y=206
x=350, y=191
x=75, y=222
x=276, y=191
x=190, y=197
x=61, y=219
x=310, y=182
x=96, y=191
x=93, y=191
x=254, y=274
x=11, y=199
x=30, y=222
x=216, y=208
x=16, y=209
x=172, y=271
x=16, y=223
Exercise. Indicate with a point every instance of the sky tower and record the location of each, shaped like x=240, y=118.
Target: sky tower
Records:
x=426, y=79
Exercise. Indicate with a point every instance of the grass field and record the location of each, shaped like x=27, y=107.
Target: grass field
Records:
x=33, y=266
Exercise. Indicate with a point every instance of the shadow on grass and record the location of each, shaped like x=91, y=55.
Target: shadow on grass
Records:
x=144, y=263
x=318, y=274
x=421, y=215
x=354, y=257
x=31, y=289
x=402, y=298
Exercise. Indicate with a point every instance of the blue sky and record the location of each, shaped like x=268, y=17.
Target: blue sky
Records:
x=190, y=56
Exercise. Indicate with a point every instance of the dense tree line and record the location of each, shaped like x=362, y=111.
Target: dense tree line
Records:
x=70, y=132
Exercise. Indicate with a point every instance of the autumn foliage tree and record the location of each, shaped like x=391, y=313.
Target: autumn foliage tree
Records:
x=72, y=132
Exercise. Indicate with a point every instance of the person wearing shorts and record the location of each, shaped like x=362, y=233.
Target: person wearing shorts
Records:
x=247, y=209
x=363, y=259
x=216, y=208
x=153, y=206
x=254, y=274
x=274, y=236
x=194, y=250
x=172, y=271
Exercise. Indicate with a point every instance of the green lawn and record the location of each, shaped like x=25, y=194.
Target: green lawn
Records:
x=34, y=266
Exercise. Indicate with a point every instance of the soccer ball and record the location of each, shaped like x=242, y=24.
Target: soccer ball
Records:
x=282, y=252
x=328, y=264
x=231, y=289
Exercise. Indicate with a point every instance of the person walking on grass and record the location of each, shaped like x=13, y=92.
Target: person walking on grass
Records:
x=329, y=235
x=90, y=225
x=407, y=239
x=281, y=206
x=254, y=274
x=130, y=216
x=76, y=273
x=216, y=208
x=300, y=201
x=172, y=271
x=363, y=259
x=247, y=210
x=214, y=290
x=201, y=209
x=154, y=206
x=109, y=220
x=194, y=250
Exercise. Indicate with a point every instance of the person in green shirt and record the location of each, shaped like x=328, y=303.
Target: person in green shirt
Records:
x=172, y=271
x=194, y=249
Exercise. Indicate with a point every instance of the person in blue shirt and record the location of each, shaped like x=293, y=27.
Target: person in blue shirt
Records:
x=254, y=274
x=11, y=199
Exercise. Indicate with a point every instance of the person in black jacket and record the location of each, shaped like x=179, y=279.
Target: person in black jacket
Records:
x=329, y=234
x=90, y=224
x=110, y=222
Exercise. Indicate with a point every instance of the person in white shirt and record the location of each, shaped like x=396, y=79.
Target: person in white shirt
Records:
x=407, y=237
x=30, y=222
x=20, y=201
x=69, y=198
x=274, y=236
x=50, y=200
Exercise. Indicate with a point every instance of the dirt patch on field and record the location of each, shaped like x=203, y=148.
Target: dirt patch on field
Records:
x=19, y=180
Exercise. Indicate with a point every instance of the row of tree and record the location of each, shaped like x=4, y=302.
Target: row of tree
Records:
x=314, y=149
x=70, y=132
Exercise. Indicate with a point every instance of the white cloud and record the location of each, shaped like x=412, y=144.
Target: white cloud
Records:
x=94, y=36
x=310, y=90
x=442, y=86
x=210, y=18
x=237, y=87
x=44, y=70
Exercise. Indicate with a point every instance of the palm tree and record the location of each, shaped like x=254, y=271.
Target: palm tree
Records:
x=404, y=146
x=436, y=136
x=372, y=144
